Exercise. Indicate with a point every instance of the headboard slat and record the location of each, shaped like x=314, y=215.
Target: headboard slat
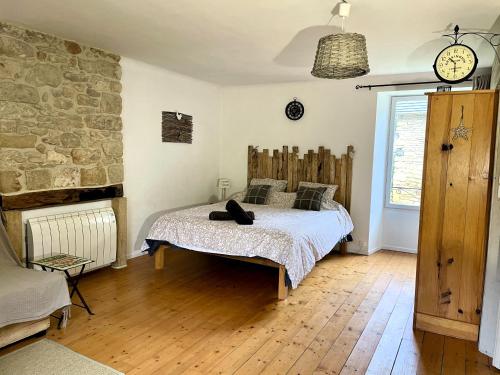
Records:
x=313, y=158
x=332, y=169
x=275, y=164
x=321, y=166
x=295, y=169
x=284, y=170
x=289, y=172
x=326, y=166
x=321, y=155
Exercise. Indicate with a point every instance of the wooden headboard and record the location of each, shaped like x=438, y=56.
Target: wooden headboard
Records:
x=321, y=166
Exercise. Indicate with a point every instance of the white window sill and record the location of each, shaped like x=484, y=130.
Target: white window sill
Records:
x=402, y=207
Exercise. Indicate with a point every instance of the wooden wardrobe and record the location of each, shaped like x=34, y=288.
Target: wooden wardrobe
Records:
x=454, y=211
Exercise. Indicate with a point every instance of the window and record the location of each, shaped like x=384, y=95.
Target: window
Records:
x=406, y=151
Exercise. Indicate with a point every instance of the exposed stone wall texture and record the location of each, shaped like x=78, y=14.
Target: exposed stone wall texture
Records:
x=60, y=106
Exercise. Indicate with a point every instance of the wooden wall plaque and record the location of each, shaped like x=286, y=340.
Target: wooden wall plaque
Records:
x=175, y=129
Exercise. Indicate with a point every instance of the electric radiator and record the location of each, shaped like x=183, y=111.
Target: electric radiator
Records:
x=90, y=234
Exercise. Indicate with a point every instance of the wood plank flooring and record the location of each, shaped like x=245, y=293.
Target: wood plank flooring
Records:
x=208, y=315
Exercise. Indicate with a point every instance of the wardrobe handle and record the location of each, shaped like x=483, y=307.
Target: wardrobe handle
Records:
x=446, y=294
x=446, y=147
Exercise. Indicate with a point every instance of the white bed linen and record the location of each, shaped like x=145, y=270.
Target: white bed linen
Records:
x=294, y=238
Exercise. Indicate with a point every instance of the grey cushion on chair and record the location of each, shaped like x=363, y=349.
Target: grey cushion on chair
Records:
x=309, y=198
x=257, y=194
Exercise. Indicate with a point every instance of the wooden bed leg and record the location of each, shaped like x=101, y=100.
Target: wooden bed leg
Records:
x=343, y=248
x=282, y=287
x=160, y=257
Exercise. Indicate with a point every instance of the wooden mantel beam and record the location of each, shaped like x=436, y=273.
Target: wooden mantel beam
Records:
x=46, y=198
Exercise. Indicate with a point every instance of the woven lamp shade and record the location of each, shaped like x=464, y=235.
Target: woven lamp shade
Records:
x=341, y=56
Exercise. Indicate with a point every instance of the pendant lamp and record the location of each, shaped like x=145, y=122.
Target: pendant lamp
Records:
x=342, y=55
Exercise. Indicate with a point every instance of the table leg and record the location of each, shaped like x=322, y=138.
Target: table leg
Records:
x=74, y=284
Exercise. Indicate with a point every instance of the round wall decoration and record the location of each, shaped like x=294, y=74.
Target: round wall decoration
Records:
x=294, y=110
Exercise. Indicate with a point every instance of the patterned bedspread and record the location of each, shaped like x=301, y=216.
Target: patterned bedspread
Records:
x=294, y=238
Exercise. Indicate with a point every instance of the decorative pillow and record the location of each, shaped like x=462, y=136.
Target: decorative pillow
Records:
x=327, y=205
x=238, y=197
x=327, y=201
x=309, y=198
x=257, y=194
x=281, y=199
x=276, y=185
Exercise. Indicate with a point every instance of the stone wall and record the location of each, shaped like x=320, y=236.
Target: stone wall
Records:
x=60, y=106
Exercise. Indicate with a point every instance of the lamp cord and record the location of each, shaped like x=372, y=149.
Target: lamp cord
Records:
x=331, y=18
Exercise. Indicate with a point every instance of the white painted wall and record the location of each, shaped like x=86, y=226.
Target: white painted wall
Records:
x=489, y=342
x=161, y=176
x=400, y=229
x=390, y=228
x=381, y=138
x=335, y=115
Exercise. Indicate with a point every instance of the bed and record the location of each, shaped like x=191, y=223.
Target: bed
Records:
x=289, y=239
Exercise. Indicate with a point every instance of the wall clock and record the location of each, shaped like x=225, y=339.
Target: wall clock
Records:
x=294, y=110
x=456, y=63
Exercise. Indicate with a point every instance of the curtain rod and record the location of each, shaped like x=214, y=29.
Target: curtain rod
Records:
x=369, y=87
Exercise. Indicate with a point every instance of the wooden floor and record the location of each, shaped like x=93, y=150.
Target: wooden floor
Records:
x=205, y=314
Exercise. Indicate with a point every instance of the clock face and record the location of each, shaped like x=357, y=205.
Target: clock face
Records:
x=455, y=63
x=294, y=110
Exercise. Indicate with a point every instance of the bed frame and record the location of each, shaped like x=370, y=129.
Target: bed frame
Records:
x=18, y=331
x=321, y=166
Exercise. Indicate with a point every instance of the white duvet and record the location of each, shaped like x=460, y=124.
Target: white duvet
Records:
x=294, y=238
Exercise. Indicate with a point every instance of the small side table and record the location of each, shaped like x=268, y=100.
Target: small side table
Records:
x=64, y=263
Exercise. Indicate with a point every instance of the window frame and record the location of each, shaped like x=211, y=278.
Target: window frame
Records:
x=390, y=154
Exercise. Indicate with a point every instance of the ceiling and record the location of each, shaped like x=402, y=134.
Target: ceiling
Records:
x=257, y=41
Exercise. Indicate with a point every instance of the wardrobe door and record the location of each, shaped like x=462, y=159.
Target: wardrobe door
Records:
x=432, y=204
x=454, y=211
x=477, y=208
x=454, y=214
x=456, y=202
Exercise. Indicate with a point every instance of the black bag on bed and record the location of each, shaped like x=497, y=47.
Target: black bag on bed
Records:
x=224, y=215
x=238, y=213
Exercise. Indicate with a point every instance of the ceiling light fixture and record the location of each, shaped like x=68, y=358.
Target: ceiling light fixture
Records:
x=342, y=55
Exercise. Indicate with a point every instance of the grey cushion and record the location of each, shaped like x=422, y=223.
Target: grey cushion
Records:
x=309, y=198
x=257, y=194
x=328, y=201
